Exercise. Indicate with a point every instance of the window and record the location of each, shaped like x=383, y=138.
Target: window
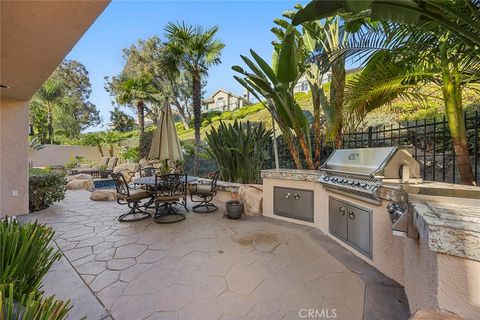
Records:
x=220, y=103
x=304, y=86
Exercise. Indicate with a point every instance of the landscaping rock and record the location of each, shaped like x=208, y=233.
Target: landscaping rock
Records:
x=428, y=314
x=103, y=195
x=80, y=184
x=127, y=169
x=143, y=163
x=80, y=176
x=252, y=198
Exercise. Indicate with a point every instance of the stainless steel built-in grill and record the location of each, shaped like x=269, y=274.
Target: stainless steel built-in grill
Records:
x=359, y=172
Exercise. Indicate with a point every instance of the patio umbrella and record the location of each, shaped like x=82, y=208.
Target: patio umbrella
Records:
x=165, y=143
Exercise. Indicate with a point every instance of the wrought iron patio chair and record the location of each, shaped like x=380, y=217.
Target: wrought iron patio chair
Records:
x=132, y=198
x=206, y=192
x=170, y=190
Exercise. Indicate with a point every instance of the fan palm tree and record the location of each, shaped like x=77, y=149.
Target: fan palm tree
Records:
x=195, y=49
x=48, y=97
x=459, y=17
x=136, y=90
x=399, y=59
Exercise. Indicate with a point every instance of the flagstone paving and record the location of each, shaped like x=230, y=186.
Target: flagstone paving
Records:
x=205, y=267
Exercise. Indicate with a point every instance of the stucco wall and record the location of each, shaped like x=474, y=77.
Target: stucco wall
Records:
x=59, y=155
x=13, y=157
x=387, y=249
x=436, y=280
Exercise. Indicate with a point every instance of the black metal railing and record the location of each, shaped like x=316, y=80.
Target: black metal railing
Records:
x=429, y=138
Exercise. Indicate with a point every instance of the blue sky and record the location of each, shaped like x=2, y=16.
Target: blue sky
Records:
x=243, y=25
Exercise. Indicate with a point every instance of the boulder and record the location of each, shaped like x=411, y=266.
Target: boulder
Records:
x=143, y=163
x=428, y=314
x=80, y=176
x=127, y=169
x=252, y=198
x=80, y=184
x=103, y=195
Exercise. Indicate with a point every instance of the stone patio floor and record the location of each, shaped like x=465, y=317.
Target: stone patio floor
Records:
x=208, y=267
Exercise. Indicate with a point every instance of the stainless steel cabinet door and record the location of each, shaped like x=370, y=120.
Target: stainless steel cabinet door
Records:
x=282, y=201
x=338, y=218
x=302, y=204
x=359, y=232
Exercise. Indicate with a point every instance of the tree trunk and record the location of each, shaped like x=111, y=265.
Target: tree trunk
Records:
x=100, y=149
x=317, y=116
x=141, y=116
x=302, y=140
x=337, y=92
x=141, y=123
x=50, y=126
x=452, y=95
x=293, y=149
x=110, y=150
x=196, y=83
x=181, y=111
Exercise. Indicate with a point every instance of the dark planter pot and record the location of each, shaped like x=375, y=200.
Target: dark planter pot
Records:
x=234, y=209
x=103, y=174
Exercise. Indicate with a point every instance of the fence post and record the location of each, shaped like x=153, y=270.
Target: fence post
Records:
x=370, y=136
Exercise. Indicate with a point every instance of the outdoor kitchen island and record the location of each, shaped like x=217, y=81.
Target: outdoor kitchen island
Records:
x=437, y=269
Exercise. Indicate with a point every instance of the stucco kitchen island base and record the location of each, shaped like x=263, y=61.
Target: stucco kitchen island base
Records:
x=432, y=277
x=387, y=250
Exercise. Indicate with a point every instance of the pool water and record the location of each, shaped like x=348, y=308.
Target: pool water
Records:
x=104, y=184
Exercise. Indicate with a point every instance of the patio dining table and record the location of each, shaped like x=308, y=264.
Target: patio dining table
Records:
x=150, y=181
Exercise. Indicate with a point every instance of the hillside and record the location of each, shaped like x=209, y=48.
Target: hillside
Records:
x=397, y=111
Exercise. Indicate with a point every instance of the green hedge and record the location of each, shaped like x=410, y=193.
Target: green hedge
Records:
x=44, y=188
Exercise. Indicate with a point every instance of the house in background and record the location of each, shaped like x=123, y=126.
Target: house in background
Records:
x=302, y=84
x=223, y=100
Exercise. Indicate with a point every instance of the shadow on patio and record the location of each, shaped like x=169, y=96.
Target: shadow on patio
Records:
x=209, y=267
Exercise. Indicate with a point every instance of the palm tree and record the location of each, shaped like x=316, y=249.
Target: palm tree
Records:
x=195, y=49
x=136, y=90
x=400, y=58
x=461, y=18
x=94, y=139
x=48, y=97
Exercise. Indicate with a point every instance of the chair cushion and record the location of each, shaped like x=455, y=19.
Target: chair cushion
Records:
x=135, y=195
x=201, y=189
x=168, y=198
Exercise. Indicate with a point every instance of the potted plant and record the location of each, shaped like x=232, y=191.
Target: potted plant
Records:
x=102, y=170
x=234, y=209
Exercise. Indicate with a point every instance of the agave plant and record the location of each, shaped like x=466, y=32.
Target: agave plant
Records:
x=25, y=254
x=239, y=149
x=276, y=83
x=15, y=306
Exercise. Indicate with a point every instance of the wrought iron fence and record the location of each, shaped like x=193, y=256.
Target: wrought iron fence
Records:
x=429, y=138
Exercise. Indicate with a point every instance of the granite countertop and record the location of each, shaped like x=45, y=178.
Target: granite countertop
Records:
x=448, y=228
x=387, y=192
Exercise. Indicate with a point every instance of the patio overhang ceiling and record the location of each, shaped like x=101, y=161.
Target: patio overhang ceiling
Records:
x=36, y=36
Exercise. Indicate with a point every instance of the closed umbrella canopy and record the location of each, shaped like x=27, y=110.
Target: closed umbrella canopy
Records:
x=165, y=143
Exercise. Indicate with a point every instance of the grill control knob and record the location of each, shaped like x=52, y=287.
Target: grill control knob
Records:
x=363, y=185
x=340, y=180
x=350, y=182
x=356, y=183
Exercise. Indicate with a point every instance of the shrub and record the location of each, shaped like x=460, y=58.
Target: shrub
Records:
x=216, y=118
x=15, y=306
x=227, y=115
x=26, y=254
x=131, y=154
x=239, y=150
x=44, y=188
x=205, y=123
